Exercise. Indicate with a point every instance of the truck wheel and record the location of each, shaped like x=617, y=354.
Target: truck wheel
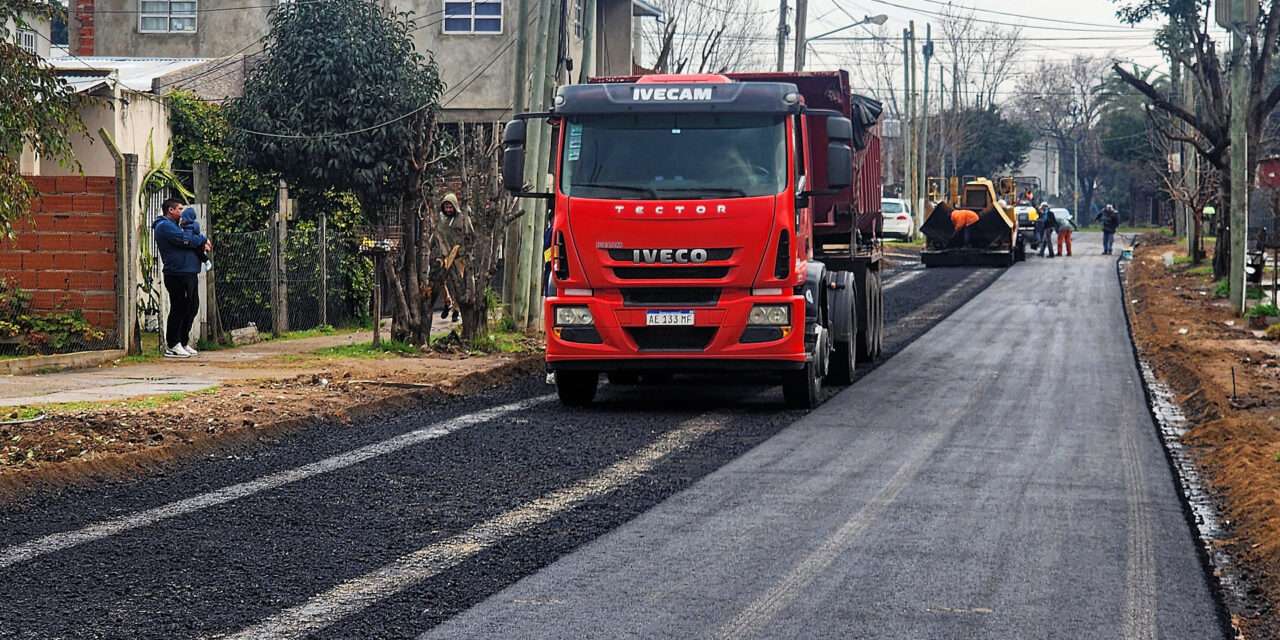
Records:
x=843, y=353
x=801, y=388
x=878, y=326
x=871, y=318
x=577, y=388
x=623, y=377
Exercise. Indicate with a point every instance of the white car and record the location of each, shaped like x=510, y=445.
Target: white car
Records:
x=898, y=221
x=1061, y=215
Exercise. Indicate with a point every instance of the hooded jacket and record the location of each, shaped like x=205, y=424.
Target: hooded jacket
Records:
x=190, y=223
x=179, y=247
x=1110, y=220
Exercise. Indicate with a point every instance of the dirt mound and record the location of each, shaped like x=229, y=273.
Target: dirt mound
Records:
x=1227, y=382
x=116, y=442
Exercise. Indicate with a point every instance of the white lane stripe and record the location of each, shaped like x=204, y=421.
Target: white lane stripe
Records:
x=906, y=277
x=65, y=540
x=355, y=595
x=752, y=620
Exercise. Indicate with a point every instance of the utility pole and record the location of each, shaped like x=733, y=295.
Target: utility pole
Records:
x=278, y=277
x=802, y=15
x=906, y=115
x=955, y=114
x=782, y=36
x=511, y=245
x=587, y=63
x=915, y=127
x=1191, y=164
x=530, y=232
x=942, y=147
x=1239, y=227
x=923, y=182
x=1075, y=180
x=1178, y=177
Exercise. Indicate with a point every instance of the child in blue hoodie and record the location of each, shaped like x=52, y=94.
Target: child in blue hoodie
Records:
x=189, y=222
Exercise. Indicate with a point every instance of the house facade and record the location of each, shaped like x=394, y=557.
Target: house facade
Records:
x=471, y=40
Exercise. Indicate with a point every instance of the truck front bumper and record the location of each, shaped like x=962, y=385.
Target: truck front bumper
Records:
x=620, y=337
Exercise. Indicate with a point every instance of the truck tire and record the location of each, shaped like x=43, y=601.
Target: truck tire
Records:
x=802, y=388
x=870, y=335
x=577, y=388
x=844, y=354
x=623, y=377
x=879, y=325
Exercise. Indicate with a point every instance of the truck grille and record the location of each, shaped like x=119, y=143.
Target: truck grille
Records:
x=672, y=338
x=682, y=296
x=626, y=255
x=671, y=273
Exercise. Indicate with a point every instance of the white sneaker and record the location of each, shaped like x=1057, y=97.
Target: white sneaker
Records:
x=176, y=352
x=189, y=351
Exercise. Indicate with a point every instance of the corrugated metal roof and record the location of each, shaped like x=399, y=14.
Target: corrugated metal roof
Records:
x=87, y=82
x=136, y=74
x=645, y=8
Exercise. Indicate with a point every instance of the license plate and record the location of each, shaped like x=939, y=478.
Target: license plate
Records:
x=669, y=318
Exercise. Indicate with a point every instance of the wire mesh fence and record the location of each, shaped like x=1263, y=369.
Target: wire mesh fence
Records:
x=325, y=281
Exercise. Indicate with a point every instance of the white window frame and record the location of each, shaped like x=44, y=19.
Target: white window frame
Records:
x=579, y=19
x=501, y=18
x=168, y=17
x=27, y=41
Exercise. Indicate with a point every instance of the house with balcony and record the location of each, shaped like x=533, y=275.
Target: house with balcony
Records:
x=471, y=40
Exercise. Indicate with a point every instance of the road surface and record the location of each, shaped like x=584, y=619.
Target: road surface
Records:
x=998, y=477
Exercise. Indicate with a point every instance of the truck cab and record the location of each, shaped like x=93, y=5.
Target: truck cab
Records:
x=682, y=233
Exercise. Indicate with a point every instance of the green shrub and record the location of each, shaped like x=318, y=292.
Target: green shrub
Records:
x=1263, y=311
x=1222, y=290
x=51, y=332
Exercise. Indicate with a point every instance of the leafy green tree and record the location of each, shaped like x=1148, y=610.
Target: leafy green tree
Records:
x=343, y=101
x=1187, y=35
x=37, y=109
x=241, y=198
x=996, y=144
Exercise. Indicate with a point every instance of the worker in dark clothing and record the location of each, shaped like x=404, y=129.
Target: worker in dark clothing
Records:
x=1048, y=223
x=1110, y=222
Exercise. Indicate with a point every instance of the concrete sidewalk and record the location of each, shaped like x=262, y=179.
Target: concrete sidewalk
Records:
x=211, y=368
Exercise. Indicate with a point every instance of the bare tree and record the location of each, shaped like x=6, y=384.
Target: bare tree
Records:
x=469, y=253
x=706, y=36
x=976, y=60
x=1063, y=102
x=1186, y=37
x=1195, y=190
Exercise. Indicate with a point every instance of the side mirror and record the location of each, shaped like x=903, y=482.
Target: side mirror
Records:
x=513, y=137
x=839, y=165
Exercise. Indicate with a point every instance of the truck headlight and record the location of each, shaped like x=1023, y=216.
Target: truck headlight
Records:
x=573, y=316
x=772, y=315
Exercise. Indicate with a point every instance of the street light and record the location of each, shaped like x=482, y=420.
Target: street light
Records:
x=804, y=43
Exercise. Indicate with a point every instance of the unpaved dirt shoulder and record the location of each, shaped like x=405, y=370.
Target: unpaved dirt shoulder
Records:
x=1201, y=352
x=120, y=441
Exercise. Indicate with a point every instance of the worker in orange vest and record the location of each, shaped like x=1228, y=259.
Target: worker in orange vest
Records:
x=961, y=220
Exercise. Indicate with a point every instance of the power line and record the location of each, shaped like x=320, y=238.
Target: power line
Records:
x=273, y=5
x=1031, y=17
x=1002, y=24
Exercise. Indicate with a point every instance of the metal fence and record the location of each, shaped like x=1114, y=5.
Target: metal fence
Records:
x=325, y=280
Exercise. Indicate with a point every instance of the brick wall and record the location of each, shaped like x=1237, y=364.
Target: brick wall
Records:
x=65, y=256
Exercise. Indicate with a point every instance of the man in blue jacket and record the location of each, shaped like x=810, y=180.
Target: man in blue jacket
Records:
x=180, y=250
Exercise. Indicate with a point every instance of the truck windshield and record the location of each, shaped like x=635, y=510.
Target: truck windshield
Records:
x=652, y=156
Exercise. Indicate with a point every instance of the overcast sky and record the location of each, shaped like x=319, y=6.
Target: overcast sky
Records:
x=1054, y=30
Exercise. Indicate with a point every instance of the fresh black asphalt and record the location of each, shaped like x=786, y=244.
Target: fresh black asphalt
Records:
x=999, y=478
x=226, y=567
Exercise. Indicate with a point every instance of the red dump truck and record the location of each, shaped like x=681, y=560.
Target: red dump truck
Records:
x=710, y=223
